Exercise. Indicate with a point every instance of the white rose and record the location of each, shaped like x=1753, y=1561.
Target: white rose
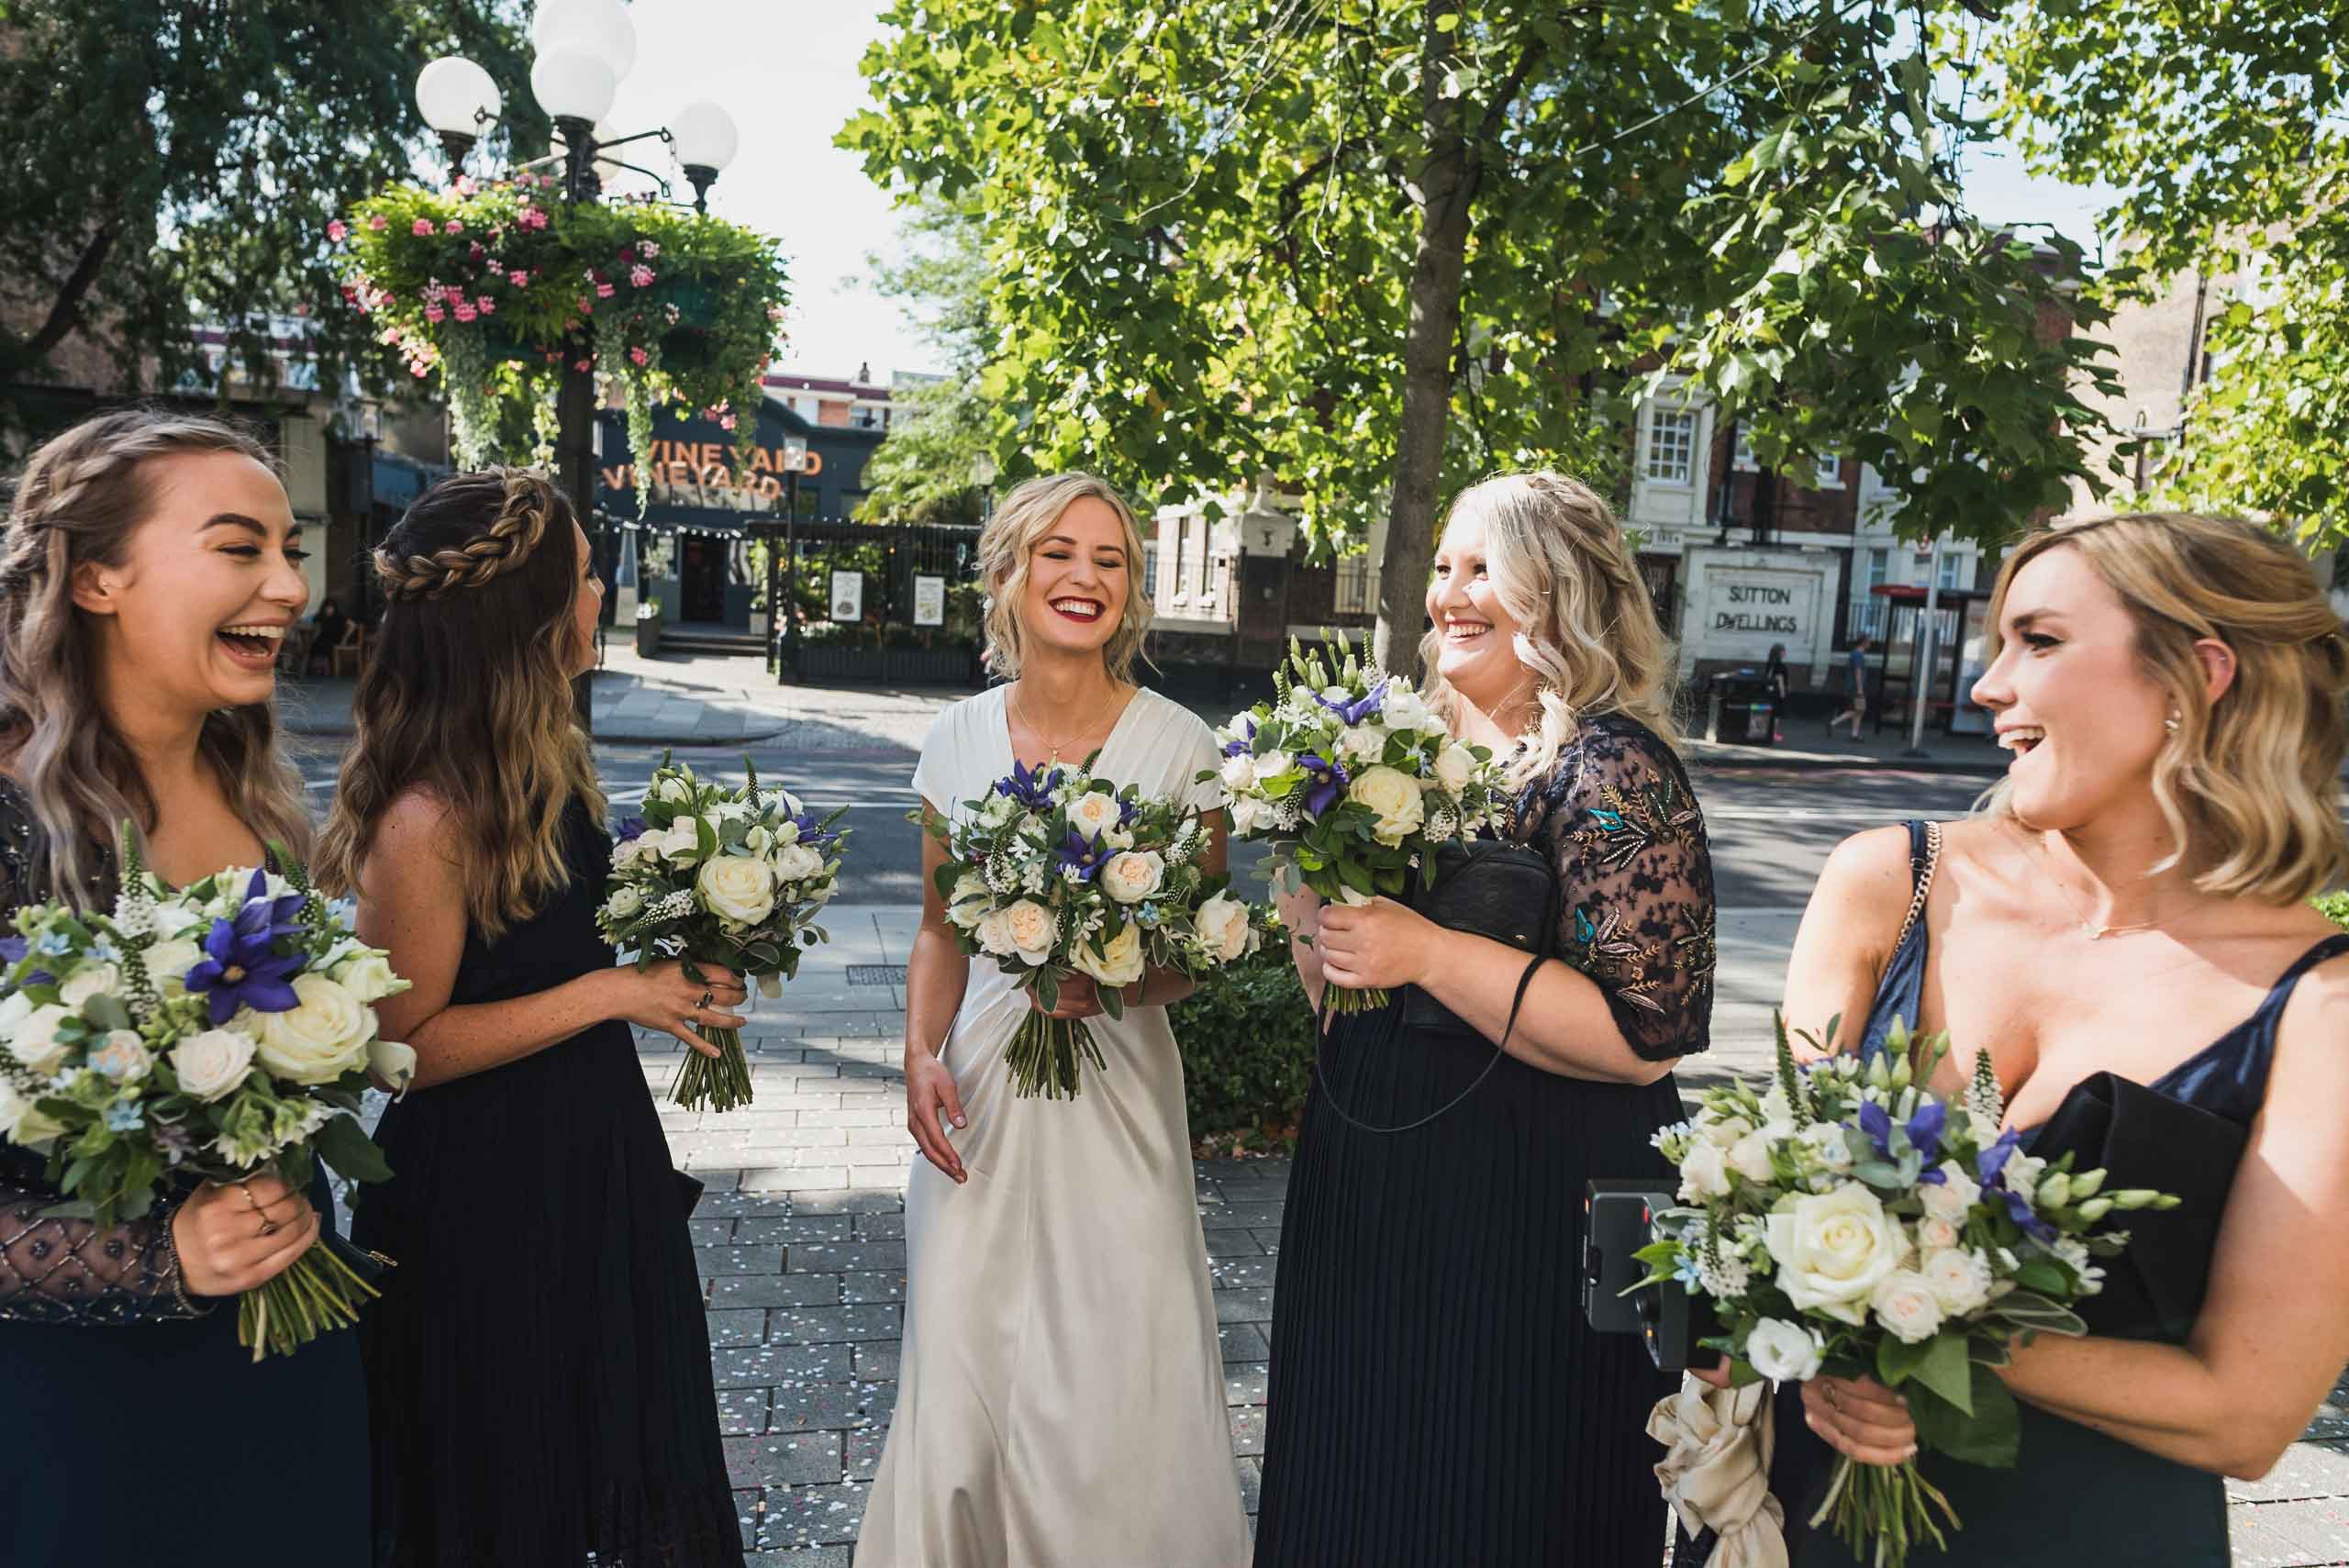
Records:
x=1455, y=766
x=169, y=961
x=624, y=904
x=211, y=1063
x=367, y=974
x=1403, y=709
x=1119, y=964
x=1363, y=744
x=393, y=1063
x=1704, y=1173
x=969, y=901
x=22, y=1122
x=1133, y=876
x=88, y=981
x=1786, y=1352
x=680, y=843
x=627, y=851
x=14, y=1008
x=122, y=1056
x=1223, y=925
x=672, y=788
x=1951, y=1196
x=1750, y=1157
x=1396, y=800
x=1833, y=1248
x=1249, y=816
x=994, y=932
x=1959, y=1279
x=1935, y=1234
x=35, y=1042
x=737, y=888
x=1033, y=929
x=1905, y=1304
x=1094, y=814
x=317, y=1041
x=171, y=920
x=1723, y=1130
x=759, y=841
x=1273, y=764
x=1239, y=772
x=797, y=862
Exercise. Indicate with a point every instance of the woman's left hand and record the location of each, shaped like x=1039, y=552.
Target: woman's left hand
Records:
x=1078, y=998
x=1860, y=1417
x=1375, y=946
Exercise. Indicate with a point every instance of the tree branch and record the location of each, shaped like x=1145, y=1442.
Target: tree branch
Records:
x=66, y=314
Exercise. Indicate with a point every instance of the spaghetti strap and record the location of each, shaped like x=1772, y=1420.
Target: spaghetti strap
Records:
x=1900, y=994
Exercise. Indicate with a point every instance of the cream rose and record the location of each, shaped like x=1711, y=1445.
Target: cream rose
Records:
x=993, y=930
x=1395, y=798
x=393, y=1063
x=1905, y=1304
x=1833, y=1248
x=1118, y=964
x=1750, y=1157
x=14, y=1008
x=1249, y=814
x=35, y=1042
x=368, y=976
x=1223, y=926
x=797, y=862
x=1032, y=931
x=1784, y=1351
x=210, y=1065
x=1133, y=876
x=739, y=889
x=679, y=844
x=969, y=901
x=1455, y=766
x=624, y=904
x=1405, y=710
x=1704, y=1173
x=169, y=961
x=1959, y=1279
x=317, y=1041
x=1094, y=814
x=1951, y=1196
x=1363, y=744
x=122, y=1056
x=1273, y=764
x=1238, y=772
x=1935, y=1234
x=23, y=1122
x=88, y=981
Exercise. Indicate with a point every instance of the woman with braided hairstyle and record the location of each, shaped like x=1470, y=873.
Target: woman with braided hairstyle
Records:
x=149, y=566
x=539, y=1366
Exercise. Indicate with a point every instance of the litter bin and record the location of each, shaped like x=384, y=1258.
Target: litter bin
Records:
x=1741, y=708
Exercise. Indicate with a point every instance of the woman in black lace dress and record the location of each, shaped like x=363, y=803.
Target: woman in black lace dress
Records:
x=135, y=542
x=1435, y=1399
x=539, y=1367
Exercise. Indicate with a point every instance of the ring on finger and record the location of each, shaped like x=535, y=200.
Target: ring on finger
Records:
x=268, y=1227
x=706, y=994
x=250, y=1202
x=1832, y=1403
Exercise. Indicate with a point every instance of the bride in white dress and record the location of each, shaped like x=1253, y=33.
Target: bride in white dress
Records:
x=1060, y=1388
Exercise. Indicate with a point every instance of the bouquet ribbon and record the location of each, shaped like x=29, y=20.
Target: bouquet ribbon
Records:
x=1716, y=1472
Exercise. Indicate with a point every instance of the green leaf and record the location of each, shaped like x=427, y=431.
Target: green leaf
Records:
x=1990, y=1436
x=1946, y=1370
x=344, y=1144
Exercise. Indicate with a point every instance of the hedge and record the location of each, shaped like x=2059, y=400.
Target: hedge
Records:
x=1247, y=1043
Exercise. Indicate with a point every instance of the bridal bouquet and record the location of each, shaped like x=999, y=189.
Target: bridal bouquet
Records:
x=1055, y=871
x=1354, y=781
x=1846, y=1222
x=723, y=876
x=221, y=1032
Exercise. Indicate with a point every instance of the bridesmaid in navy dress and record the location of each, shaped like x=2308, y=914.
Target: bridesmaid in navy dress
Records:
x=539, y=1367
x=150, y=564
x=2132, y=904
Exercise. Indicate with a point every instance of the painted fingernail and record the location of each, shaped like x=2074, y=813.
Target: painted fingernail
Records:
x=959, y=1122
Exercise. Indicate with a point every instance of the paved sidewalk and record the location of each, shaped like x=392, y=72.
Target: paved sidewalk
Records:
x=801, y=1240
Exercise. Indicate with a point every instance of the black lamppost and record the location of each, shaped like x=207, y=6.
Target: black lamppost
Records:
x=583, y=48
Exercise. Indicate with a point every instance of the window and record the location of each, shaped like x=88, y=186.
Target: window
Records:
x=1150, y=570
x=1672, y=446
x=1868, y=610
x=1357, y=590
x=1830, y=472
x=1956, y=570
x=1743, y=457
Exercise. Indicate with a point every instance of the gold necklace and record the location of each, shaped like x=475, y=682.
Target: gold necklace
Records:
x=1030, y=725
x=2096, y=932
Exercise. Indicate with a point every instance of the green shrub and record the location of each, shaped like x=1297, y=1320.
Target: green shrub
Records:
x=1247, y=1040
x=2335, y=906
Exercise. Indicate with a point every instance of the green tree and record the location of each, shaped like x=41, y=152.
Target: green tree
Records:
x=2224, y=131
x=167, y=162
x=922, y=472
x=1375, y=247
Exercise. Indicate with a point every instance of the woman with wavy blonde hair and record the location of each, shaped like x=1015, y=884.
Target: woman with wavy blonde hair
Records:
x=1060, y=1387
x=151, y=564
x=538, y=1369
x=1435, y=1396
x=2127, y=923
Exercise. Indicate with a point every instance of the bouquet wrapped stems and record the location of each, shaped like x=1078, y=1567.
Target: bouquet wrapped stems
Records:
x=1883, y=1511
x=1043, y=1055
x=318, y=1294
x=721, y=1082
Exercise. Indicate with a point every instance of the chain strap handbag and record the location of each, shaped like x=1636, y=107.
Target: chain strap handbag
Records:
x=1508, y=893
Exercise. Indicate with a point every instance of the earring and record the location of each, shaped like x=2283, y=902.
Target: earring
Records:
x=2170, y=723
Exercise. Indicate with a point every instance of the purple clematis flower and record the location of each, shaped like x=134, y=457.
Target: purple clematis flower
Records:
x=810, y=833
x=1991, y=1164
x=1083, y=856
x=1032, y=788
x=630, y=829
x=1330, y=781
x=1924, y=1131
x=1241, y=747
x=1362, y=708
x=13, y=951
x=240, y=968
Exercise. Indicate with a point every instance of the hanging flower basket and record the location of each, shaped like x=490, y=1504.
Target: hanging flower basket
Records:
x=503, y=287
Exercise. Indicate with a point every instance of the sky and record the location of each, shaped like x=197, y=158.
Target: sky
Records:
x=786, y=70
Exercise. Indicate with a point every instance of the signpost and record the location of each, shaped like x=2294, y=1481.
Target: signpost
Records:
x=929, y=601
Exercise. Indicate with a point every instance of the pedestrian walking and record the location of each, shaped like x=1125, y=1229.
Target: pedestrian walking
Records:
x=1855, y=677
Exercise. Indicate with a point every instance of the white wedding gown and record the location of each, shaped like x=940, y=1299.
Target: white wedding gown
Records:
x=1060, y=1397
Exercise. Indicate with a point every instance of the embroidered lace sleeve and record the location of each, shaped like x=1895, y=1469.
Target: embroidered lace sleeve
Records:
x=68, y=1270
x=1635, y=881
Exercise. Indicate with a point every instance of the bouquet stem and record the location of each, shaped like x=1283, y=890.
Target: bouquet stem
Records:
x=1346, y=999
x=719, y=1082
x=1880, y=1511
x=1044, y=1056
x=318, y=1294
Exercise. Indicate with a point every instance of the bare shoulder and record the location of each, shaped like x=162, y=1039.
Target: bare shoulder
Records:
x=417, y=817
x=2314, y=1030
x=1868, y=875
x=415, y=848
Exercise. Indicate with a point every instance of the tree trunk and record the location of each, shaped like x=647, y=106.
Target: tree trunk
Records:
x=1447, y=188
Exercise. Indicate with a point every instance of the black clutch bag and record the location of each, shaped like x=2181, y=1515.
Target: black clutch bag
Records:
x=1505, y=891
x=2146, y=1139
